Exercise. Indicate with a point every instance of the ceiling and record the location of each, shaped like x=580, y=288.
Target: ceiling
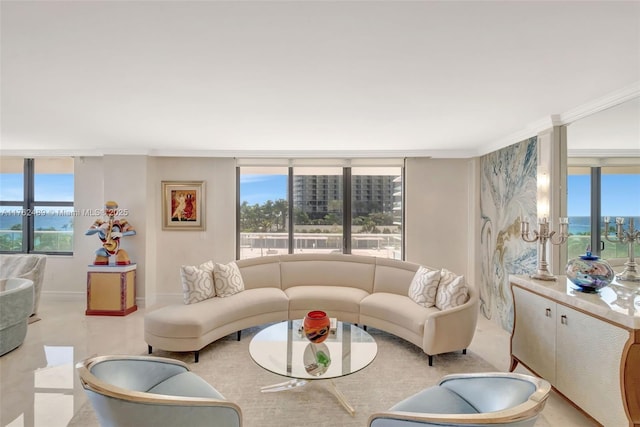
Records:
x=316, y=78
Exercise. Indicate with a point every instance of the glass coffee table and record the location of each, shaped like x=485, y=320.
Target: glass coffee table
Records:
x=283, y=349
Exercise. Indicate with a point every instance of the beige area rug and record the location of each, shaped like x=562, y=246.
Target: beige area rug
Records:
x=399, y=370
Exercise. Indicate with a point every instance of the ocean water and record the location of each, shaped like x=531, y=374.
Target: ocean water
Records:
x=42, y=221
x=582, y=224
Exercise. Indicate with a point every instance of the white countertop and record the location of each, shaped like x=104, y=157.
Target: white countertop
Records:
x=619, y=302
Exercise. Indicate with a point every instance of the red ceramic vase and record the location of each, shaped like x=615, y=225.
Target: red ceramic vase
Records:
x=316, y=326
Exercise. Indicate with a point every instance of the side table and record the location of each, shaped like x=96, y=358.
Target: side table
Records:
x=111, y=290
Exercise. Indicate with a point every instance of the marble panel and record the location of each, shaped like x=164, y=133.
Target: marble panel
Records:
x=507, y=193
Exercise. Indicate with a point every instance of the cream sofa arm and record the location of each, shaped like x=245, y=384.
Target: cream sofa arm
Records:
x=451, y=329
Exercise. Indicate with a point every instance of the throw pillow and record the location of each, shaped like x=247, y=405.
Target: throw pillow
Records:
x=452, y=290
x=197, y=282
x=228, y=280
x=424, y=287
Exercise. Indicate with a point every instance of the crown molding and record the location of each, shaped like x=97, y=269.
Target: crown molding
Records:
x=604, y=153
x=534, y=128
x=611, y=100
x=318, y=154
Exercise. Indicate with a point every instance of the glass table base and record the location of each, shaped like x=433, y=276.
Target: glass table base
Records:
x=295, y=383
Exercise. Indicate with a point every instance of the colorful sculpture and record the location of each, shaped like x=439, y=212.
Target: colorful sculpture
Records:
x=110, y=232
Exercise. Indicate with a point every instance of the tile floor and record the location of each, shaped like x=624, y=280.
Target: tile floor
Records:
x=39, y=387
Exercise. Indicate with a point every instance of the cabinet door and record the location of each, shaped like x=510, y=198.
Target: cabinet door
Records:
x=589, y=353
x=533, y=340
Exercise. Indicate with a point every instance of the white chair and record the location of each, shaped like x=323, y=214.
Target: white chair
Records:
x=146, y=391
x=25, y=266
x=16, y=305
x=480, y=399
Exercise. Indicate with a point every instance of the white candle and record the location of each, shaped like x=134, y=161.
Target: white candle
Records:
x=619, y=220
x=606, y=219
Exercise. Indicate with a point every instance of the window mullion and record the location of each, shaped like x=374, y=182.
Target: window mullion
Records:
x=596, y=208
x=28, y=205
x=346, y=210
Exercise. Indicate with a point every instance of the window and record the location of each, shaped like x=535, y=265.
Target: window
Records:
x=36, y=205
x=595, y=193
x=302, y=208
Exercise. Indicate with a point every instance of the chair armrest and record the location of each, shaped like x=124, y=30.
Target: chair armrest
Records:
x=522, y=412
x=451, y=329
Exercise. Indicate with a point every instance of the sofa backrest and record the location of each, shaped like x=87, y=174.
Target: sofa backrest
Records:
x=327, y=270
x=262, y=272
x=393, y=276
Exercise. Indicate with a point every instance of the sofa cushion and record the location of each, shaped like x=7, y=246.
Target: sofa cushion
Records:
x=197, y=282
x=435, y=400
x=452, y=290
x=196, y=320
x=227, y=279
x=261, y=272
x=186, y=384
x=424, y=287
x=327, y=270
x=394, y=276
x=397, y=309
x=327, y=298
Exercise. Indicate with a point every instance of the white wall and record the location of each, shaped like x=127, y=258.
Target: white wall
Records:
x=439, y=227
x=217, y=242
x=439, y=219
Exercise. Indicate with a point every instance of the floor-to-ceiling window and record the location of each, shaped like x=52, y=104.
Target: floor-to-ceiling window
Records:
x=36, y=205
x=303, y=207
x=263, y=211
x=595, y=194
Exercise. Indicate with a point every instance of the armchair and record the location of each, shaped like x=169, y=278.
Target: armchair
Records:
x=482, y=399
x=154, y=392
x=28, y=266
x=16, y=304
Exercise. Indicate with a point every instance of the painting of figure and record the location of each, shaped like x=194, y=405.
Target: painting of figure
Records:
x=183, y=205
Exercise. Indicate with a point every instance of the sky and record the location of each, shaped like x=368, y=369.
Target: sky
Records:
x=620, y=195
x=260, y=188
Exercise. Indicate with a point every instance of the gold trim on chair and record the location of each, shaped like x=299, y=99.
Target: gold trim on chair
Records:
x=93, y=383
x=532, y=407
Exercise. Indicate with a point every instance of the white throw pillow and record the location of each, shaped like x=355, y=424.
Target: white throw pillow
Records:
x=228, y=280
x=452, y=290
x=424, y=287
x=197, y=282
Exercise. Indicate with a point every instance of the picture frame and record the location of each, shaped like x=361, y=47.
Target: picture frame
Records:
x=183, y=205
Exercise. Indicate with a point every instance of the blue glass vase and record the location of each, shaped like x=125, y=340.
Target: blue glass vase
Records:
x=589, y=273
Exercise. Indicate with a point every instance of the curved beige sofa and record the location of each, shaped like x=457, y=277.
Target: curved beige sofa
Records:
x=368, y=291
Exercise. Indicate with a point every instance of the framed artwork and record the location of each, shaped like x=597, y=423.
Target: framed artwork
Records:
x=183, y=205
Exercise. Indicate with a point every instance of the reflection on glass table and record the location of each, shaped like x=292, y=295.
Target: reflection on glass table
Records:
x=283, y=349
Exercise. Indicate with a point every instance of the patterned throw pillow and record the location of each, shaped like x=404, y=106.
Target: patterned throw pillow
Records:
x=424, y=287
x=228, y=280
x=197, y=282
x=452, y=290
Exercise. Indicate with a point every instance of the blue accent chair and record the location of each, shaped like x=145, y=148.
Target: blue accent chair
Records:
x=479, y=399
x=16, y=305
x=146, y=391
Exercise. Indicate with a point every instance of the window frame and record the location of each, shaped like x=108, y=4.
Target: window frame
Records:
x=346, y=203
x=29, y=206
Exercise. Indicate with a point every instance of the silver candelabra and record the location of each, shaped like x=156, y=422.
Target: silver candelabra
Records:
x=630, y=236
x=543, y=235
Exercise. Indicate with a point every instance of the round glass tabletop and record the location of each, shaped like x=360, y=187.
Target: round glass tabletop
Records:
x=283, y=349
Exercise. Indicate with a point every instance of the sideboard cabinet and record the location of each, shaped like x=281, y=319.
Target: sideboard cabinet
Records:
x=586, y=345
